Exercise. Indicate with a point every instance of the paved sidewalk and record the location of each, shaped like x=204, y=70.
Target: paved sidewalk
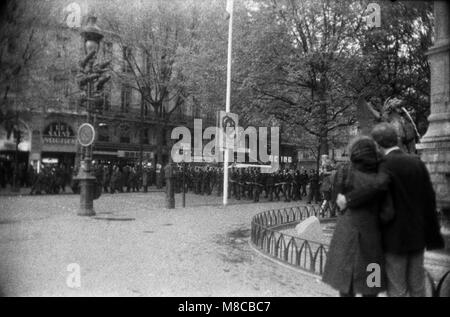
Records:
x=135, y=247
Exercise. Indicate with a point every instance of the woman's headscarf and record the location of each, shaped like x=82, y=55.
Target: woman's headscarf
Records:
x=364, y=154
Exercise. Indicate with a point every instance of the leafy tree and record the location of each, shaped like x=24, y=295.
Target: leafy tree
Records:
x=21, y=44
x=296, y=63
x=395, y=62
x=161, y=42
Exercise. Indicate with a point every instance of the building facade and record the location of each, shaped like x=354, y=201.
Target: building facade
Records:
x=46, y=102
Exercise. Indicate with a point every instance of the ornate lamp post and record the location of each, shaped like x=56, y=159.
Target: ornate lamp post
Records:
x=91, y=79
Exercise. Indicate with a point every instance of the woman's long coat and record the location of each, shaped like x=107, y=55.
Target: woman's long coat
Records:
x=355, y=245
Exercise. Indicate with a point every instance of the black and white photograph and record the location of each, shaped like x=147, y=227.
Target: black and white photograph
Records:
x=224, y=153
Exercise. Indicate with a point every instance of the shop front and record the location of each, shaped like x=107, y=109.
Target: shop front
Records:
x=120, y=157
x=59, y=145
x=8, y=145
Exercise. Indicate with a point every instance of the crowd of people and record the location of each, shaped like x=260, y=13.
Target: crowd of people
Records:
x=56, y=178
x=52, y=179
x=250, y=183
x=24, y=175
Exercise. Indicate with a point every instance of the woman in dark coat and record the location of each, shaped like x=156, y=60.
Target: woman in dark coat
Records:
x=356, y=242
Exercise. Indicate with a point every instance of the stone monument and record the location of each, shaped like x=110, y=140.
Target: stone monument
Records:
x=434, y=147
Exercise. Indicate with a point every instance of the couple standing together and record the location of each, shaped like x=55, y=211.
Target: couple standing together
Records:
x=388, y=219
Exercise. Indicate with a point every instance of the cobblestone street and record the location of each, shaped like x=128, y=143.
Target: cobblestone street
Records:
x=135, y=247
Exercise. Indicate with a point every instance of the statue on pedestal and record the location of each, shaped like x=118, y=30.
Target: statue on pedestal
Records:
x=393, y=112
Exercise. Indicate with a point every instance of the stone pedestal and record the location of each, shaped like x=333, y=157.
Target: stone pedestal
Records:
x=87, y=183
x=435, y=144
x=310, y=229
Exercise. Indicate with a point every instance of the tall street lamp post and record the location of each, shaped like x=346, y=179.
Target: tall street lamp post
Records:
x=91, y=78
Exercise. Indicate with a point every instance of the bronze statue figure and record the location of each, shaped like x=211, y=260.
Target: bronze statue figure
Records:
x=395, y=113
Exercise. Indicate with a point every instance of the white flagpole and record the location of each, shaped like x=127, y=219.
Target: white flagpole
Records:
x=228, y=100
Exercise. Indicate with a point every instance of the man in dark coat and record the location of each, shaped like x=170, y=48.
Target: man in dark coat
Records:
x=257, y=185
x=270, y=183
x=219, y=177
x=198, y=180
x=159, y=176
x=151, y=176
x=38, y=184
x=277, y=178
x=314, y=186
x=106, y=178
x=240, y=184
x=116, y=177
x=297, y=186
x=414, y=226
x=145, y=177
x=304, y=183
x=233, y=183
x=127, y=178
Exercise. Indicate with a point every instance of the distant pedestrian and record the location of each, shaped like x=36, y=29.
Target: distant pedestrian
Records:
x=145, y=179
x=314, y=187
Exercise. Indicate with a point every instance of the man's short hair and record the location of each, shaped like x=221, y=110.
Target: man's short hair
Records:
x=385, y=135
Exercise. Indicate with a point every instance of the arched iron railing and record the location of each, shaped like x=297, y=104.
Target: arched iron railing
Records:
x=304, y=254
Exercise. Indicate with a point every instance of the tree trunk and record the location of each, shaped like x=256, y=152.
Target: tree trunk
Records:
x=323, y=120
x=324, y=147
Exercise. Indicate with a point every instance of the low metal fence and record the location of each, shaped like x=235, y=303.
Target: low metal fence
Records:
x=301, y=253
x=308, y=255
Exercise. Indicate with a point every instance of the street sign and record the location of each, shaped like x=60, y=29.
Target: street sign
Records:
x=86, y=134
x=228, y=123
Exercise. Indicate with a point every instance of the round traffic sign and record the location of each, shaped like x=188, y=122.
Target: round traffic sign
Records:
x=86, y=134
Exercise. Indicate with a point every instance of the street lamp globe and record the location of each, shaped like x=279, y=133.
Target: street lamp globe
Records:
x=90, y=46
x=92, y=35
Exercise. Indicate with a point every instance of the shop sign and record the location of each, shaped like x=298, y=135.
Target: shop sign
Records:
x=58, y=133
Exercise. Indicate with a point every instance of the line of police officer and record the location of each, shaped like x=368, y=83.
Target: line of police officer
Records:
x=53, y=179
x=249, y=183
x=114, y=178
x=244, y=183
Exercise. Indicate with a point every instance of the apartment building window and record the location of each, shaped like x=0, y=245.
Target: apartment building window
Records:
x=125, y=139
x=125, y=99
x=125, y=132
x=145, y=138
x=127, y=59
x=103, y=133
